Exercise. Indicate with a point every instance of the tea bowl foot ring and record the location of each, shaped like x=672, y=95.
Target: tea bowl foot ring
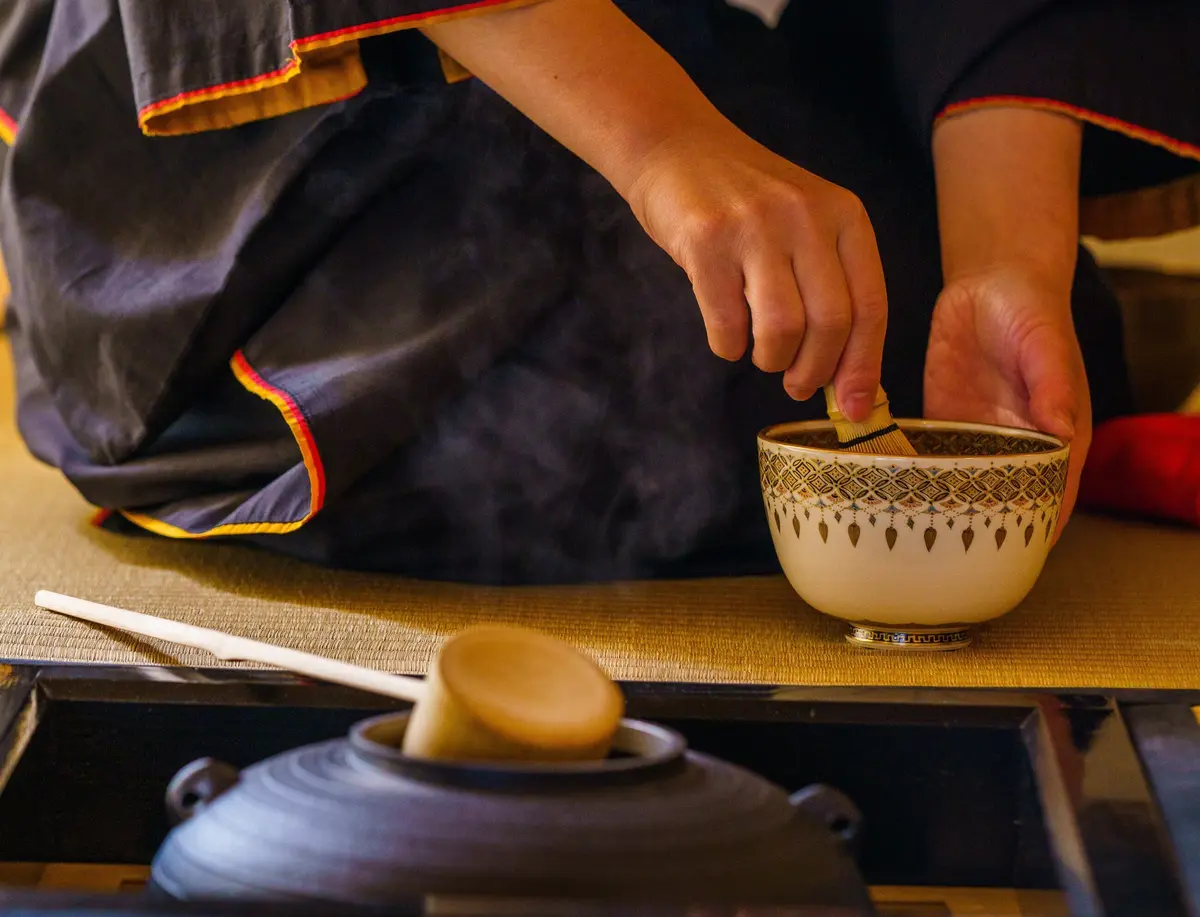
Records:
x=910, y=637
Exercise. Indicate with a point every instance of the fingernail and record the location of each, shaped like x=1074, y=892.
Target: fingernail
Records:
x=857, y=405
x=1065, y=423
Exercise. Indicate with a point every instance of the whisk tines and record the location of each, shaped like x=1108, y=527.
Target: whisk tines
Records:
x=879, y=434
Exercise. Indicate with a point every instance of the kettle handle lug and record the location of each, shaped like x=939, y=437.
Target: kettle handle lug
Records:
x=831, y=808
x=196, y=785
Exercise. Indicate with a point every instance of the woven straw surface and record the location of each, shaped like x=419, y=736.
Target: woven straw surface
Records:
x=1118, y=607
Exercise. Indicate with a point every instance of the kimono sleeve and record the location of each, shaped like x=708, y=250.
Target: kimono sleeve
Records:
x=211, y=64
x=23, y=29
x=1129, y=71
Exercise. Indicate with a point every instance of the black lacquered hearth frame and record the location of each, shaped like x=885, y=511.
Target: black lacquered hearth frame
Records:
x=1116, y=775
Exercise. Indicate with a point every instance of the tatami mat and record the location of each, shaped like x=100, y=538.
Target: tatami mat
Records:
x=1118, y=607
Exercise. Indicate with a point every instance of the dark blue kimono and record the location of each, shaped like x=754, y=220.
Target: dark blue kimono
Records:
x=283, y=273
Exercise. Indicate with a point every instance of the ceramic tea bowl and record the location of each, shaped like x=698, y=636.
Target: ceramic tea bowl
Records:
x=913, y=552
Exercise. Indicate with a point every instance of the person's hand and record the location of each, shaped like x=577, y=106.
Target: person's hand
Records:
x=776, y=254
x=1003, y=350
x=773, y=251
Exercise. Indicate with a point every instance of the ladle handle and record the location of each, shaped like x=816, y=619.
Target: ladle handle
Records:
x=231, y=647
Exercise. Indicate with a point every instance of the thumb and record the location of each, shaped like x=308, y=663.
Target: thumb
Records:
x=1049, y=363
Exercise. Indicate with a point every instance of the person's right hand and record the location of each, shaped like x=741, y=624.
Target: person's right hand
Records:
x=771, y=249
x=776, y=253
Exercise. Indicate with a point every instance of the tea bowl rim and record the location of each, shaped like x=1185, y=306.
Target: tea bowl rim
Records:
x=770, y=434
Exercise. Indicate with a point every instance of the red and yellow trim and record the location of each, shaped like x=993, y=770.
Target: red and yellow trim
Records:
x=1134, y=131
x=100, y=516
x=8, y=128
x=311, y=456
x=324, y=68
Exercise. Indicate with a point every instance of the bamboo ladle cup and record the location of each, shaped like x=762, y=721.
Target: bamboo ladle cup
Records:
x=493, y=693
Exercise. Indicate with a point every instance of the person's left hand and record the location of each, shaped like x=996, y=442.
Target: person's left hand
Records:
x=1003, y=350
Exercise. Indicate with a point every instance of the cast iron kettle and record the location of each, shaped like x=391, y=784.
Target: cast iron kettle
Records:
x=355, y=821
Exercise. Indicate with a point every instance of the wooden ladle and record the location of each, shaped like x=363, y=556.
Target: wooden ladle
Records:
x=493, y=692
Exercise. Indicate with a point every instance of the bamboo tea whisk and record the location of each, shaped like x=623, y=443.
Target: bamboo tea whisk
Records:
x=879, y=434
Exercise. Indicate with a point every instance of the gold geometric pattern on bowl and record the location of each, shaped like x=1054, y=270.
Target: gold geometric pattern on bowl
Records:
x=1020, y=499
